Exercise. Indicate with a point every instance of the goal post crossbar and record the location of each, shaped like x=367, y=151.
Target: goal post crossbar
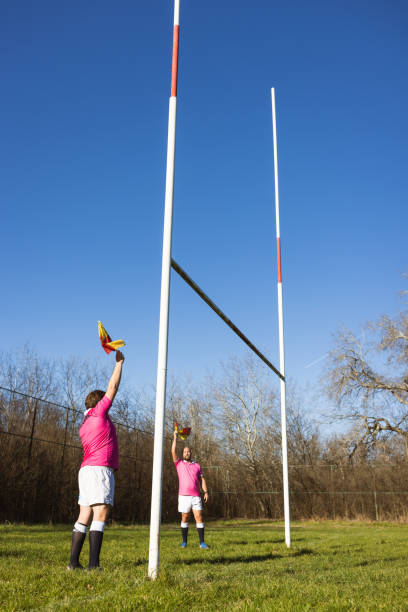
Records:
x=219, y=312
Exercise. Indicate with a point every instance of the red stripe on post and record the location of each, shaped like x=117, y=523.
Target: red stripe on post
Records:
x=278, y=245
x=175, y=61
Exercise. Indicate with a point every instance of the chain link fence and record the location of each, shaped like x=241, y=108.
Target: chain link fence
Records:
x=41, y=454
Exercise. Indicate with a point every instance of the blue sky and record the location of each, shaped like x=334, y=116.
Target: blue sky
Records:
x=85, y=89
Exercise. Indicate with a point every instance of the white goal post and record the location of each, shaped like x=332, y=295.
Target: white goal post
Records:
x=167, y=264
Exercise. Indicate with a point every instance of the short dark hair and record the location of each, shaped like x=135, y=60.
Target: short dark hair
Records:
x=93, y=398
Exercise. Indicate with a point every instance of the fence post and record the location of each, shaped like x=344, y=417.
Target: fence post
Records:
x=375, y=495
x=65, y=442
x=32, y=432
x=333, y=495
x=375, y=505
x=57, y=498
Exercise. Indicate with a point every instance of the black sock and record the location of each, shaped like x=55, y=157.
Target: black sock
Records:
x=95, y=544
x=78, y=539
x=184, y=534
x=200, y=531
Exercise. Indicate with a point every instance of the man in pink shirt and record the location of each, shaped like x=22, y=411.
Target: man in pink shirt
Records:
x=95, y=478
x=189, y=475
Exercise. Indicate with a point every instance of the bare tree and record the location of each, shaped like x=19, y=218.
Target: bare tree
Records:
x=243, y=396
x=26, y=372
x=367, y=377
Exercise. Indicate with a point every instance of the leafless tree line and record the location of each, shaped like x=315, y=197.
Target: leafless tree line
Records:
x=235, y=421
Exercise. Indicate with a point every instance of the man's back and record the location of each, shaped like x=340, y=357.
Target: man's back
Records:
x=98, y=437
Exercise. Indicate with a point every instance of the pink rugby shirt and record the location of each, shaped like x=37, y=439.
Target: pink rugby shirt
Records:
x=189, y=474
x=98, y=437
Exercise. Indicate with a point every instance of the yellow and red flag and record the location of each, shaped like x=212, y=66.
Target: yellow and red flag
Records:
x=107, y=344
x=183, y=432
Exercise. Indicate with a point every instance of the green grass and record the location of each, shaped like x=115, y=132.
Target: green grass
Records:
x=330, y=566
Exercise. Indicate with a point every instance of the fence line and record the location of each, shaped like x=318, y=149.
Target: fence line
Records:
x=31, y=438
x=38, y=483
x=314, y=492
x=70, y=409
x=150, y=433
x=64, y=444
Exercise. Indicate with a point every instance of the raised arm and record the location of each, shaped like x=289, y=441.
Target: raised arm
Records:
x=114, y=382
x=173, y=446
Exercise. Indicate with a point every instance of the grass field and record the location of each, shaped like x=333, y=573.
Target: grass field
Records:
x=330, y=566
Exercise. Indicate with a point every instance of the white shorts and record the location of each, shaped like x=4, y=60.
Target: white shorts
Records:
x=96, y=485
x=186, y=503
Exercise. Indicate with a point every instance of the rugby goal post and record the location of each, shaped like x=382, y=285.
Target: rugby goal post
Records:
x=167, y=263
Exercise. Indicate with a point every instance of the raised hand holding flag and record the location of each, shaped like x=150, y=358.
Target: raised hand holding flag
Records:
x=108, y=344
x=183, y=432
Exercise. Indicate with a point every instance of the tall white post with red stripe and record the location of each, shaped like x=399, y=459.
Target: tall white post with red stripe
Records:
x=155, y=514
x=281, y=338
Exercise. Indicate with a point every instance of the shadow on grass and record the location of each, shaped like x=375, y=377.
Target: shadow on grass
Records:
x=302, y=551
x=246, y=542
x=12, y=553
x=129, y=565
x=361, y=564
x=376, y=561
x=264, y=524
x=229, y=560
